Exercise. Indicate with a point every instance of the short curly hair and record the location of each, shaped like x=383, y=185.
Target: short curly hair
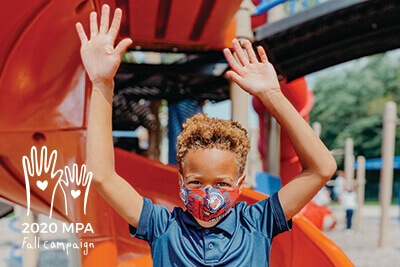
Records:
x=202, y=132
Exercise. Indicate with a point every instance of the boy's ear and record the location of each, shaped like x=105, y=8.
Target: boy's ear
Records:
x=180, y=179
x=241, y=182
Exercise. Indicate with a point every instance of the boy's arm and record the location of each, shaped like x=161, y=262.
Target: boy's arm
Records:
x=259, y=79
x=101, y=62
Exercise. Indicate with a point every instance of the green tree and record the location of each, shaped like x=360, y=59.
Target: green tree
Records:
x=350, y=100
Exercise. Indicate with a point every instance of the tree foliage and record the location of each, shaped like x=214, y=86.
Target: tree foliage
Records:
x=349, y=102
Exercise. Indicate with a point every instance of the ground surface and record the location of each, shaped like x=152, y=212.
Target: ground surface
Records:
x=362, y=247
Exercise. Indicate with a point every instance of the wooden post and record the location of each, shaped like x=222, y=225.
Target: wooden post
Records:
x=349, y=163
x=272, y=128
x=240, y=98
x=360, y=191
x=155, y=132
x=274, y=151
x=386, y=177
x=274, y=140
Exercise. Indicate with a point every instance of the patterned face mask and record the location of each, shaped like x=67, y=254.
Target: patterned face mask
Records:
x=209, y=204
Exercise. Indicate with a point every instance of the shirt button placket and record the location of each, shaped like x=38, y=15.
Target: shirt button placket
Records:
x=210, y=246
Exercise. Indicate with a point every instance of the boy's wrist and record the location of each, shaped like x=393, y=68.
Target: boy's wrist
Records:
x=106, y=84
x=104, y=87
x=271, y=95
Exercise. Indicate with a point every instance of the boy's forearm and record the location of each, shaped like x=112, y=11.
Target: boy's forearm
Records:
x=100, y=157
x=100, y=148
x=312, y=153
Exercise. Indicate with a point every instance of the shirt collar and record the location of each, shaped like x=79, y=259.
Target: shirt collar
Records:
x=227, y=224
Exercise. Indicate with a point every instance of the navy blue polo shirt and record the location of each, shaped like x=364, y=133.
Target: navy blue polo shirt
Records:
x=241, y=238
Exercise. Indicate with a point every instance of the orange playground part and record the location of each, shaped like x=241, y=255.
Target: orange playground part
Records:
x=44, y=100
x=320, y=216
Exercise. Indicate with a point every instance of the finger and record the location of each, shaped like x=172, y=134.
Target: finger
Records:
x=262, y=54
x=239, y=52
x=115, y=23
x=93, y=24
x=232, y=61
x=105, y=19
x=234, y=76
x=250, y=52
x=122, y=46
x=81, y=33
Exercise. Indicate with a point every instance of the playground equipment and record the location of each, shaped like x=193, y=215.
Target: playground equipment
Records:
x=44, y=102
x=330, y=33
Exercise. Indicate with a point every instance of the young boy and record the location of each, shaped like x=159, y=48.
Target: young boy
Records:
x=211, y=156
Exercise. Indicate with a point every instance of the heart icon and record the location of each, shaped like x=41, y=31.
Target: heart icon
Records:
x=76, y=193
x=42, y=185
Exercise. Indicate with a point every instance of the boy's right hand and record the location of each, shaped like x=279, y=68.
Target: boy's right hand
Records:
x=257, y=77
x=99, y=57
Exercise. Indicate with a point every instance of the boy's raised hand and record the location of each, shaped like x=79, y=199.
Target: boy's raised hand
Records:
x=100, y=58
x=253, y=76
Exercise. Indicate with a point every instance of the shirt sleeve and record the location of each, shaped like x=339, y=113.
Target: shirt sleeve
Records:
x=153, y=223
x=268, y=217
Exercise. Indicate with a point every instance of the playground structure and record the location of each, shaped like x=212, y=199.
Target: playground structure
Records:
x=45, y=98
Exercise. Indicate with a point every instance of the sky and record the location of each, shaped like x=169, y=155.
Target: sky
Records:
x=222, y=110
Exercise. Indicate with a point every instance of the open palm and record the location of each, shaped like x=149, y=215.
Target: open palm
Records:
x=99, y=57
x=254, y=76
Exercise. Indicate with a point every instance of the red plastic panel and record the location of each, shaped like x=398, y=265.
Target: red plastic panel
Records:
x=42, y=81
x=194, y=25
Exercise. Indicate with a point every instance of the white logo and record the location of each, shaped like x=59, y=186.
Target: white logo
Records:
x=35, y=166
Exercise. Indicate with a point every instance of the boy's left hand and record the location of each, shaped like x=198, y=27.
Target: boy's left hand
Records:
x=253, y=76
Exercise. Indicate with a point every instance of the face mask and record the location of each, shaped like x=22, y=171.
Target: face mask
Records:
x=209, y=204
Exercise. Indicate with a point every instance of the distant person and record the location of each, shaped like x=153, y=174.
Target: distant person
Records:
x=339, y=186
x=349, y=204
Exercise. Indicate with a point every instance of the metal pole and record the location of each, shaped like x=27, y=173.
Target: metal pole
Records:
x=274, y=151
x=30, y=257
x=386, y=177
x=74, y=258
x=360, y=190
x=240, y=98
x=272, y=128
x=349, y=163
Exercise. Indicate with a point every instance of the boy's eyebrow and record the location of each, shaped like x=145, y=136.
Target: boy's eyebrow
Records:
x=193, y=175
x=218, y=177
x=225, y=177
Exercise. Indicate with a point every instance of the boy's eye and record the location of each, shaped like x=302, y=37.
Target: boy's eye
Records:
x=194, y=182
x=221, y=184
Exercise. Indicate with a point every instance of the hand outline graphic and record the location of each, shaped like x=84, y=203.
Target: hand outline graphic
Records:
x=35, y=167
x=84, y=179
